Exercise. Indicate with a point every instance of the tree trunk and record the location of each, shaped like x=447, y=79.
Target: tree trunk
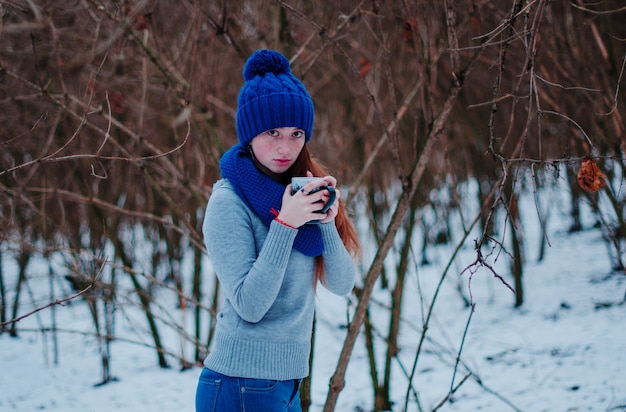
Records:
x=144, y=298
x=3, y=307
x=305, y=388
x=196, y=295
x=516, y=242
x=22, y=263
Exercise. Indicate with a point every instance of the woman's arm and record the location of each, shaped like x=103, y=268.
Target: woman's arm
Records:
x=250, y=278
x=339, y=265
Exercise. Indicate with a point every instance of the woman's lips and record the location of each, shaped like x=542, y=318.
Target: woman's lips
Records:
x=282, y=162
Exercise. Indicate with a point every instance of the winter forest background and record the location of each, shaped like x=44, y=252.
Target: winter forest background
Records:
x=439, y=120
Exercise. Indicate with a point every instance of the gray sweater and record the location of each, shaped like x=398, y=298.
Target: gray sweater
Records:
x=264, y=327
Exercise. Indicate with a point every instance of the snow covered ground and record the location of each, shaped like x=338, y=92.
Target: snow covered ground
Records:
x=563, y=350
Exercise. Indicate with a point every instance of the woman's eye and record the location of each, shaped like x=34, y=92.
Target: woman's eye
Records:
x=273, y=133
x=298, y=134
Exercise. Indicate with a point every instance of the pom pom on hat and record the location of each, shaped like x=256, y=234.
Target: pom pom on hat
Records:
x=272, y=97
x=265, y=61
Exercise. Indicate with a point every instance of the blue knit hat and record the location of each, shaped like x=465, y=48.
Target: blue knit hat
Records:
x=271, y=97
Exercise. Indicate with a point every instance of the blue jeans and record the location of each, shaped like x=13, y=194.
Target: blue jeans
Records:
x=221, y=393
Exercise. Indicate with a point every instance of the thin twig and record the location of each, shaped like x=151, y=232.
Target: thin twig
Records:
x=619, y=80
x=56, y=302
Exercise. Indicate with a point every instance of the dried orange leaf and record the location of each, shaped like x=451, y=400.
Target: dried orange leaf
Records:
x=590, y=177
x=366, y=65
x=407, y=28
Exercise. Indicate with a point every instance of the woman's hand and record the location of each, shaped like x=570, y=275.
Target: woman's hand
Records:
x=303, y=206
x=334, y=209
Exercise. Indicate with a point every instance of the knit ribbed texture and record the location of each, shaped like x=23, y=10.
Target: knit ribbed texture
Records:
x=272, y=97
x=332, y=244
x=262, y=360
x=282, y=238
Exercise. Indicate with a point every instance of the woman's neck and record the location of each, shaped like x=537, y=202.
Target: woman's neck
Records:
x=282, y=178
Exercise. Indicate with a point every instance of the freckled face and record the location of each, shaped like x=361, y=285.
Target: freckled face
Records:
x=278, y=149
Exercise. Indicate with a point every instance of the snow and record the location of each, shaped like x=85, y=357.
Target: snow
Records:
x=563, y=350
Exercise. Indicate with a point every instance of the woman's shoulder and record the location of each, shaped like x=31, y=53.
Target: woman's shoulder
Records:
x=225, y=205
x=223, y=188
x=224, y=195
x=223, y=184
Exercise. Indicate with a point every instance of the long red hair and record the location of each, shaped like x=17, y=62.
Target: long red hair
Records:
x=346, y=229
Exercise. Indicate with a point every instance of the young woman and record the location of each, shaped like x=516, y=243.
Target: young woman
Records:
x=267, y=258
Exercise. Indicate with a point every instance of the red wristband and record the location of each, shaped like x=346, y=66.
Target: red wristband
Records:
x=284, y=223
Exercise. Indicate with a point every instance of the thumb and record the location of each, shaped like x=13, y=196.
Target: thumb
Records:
x=309, y=174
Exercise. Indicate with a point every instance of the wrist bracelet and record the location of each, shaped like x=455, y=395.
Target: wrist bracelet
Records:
x=284, y=223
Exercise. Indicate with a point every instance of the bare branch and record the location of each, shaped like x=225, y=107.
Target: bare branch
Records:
x=56, y=302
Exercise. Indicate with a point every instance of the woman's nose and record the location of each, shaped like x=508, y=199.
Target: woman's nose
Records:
x=283, y=147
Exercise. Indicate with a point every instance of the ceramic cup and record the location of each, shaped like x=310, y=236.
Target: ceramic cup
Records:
x=297, y=183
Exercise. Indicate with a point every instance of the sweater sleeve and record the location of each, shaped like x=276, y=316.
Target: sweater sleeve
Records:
x=339, y=266
x=250, y=279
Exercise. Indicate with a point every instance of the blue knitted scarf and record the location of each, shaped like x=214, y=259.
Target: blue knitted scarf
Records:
x=263, y=195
